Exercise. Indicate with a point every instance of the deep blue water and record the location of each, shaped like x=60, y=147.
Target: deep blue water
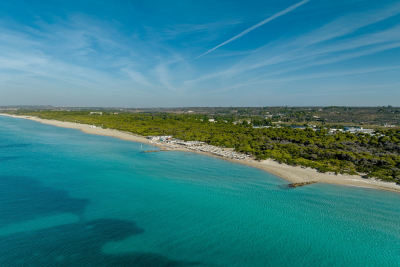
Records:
x=73, y=199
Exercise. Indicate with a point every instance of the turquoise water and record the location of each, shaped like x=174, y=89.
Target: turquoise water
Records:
x=73, y=199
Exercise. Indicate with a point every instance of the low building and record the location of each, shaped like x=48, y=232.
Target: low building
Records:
x=334, y=131
x=260, y=127
x=189, y=143
x=298, y=127
x=358, y=130
x=160, y=137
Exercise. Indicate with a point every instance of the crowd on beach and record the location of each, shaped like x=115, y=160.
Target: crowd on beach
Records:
x=220, y=152
x=201, y=147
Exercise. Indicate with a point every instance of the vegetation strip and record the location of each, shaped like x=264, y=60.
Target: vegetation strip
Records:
x=376, y=156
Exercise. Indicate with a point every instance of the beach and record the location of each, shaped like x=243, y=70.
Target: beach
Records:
x=290, y=173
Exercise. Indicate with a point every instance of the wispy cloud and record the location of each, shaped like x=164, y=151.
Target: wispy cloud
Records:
x=137, y=77
x=337, y=51
x=82, y=52
x=180, y=30
x=277, y=15
x=331, y=43
x=312, y=76
x=163, y=74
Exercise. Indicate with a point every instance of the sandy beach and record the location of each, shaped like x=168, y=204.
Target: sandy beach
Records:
x=289, y=173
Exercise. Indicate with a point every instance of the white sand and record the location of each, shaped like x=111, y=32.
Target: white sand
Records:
x=290, y=173
x=86, y=129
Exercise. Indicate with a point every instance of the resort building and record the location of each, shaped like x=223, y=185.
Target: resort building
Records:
x=160, y=138
x=259, y=127
x=358, y=130
x=389, y=126
x=189, y=143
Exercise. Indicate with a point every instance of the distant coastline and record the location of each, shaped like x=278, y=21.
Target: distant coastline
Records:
x=287, y=172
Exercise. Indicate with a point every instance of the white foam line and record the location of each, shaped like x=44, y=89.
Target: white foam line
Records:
x=358, y=180
x=359, y=186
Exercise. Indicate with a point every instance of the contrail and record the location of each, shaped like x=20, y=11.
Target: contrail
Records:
x=287, y=10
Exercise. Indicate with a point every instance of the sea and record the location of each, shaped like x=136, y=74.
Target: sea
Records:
x=73, y=199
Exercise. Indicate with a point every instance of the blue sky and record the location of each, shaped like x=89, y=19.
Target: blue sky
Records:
x=200, y=53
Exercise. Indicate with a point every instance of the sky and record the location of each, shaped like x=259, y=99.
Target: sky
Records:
x=137, y=53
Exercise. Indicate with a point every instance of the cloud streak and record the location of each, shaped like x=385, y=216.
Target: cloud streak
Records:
x=330, y=43
x=277, y=15
x=152, y=62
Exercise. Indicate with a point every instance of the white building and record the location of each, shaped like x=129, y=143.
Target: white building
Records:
x=189, y=143
x=358, y=130
x=390, y=126
x=256, y=127
x=160, y=137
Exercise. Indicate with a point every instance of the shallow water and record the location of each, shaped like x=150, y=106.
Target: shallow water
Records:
x=73, y=199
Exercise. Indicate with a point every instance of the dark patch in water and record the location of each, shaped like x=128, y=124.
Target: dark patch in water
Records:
x=78, y=244
x=23, y=198
x=284, y=187
x=2, y=159
x=13, y=146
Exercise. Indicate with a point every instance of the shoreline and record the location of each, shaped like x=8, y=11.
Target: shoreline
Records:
x=289, y=173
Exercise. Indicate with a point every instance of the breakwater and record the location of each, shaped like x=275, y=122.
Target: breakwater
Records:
x=302, y=184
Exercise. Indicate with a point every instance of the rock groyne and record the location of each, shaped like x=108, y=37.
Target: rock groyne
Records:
x=302, y=184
